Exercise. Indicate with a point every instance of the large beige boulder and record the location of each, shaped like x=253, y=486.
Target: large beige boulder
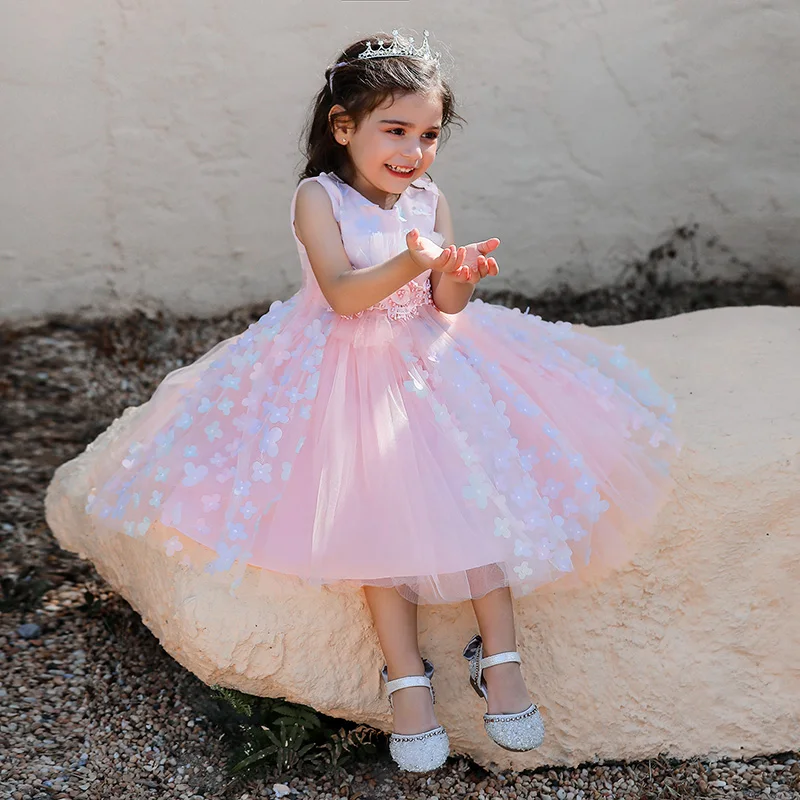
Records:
x=692, y=649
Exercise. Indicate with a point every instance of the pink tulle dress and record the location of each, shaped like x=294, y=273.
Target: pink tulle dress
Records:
x=445, y=455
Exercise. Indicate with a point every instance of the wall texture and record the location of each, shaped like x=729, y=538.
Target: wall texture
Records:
x=149, y=149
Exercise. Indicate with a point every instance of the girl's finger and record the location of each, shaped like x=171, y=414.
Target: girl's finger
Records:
x=453, y=265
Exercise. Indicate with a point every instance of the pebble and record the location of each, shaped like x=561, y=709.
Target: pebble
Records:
x=29, y=630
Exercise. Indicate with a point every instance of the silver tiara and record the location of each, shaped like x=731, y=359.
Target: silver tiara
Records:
x=397, y=48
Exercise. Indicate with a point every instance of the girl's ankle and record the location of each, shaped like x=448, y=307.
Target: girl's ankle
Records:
x=404, y=667
x=502, y=673
x=506, y=688
x=413, y=712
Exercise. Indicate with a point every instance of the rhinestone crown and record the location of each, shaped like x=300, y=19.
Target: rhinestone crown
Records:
x=401, y=48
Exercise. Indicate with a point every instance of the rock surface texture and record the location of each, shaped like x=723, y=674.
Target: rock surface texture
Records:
x=691, y=649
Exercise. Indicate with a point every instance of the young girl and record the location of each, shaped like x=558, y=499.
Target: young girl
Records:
x=380, y=430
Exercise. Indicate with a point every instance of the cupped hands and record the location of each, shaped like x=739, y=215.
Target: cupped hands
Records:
x=465, y=264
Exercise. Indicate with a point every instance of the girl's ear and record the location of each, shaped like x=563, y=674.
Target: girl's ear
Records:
x=342, y=124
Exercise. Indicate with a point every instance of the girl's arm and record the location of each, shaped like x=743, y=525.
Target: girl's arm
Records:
x=347, y=290
x=449, y=295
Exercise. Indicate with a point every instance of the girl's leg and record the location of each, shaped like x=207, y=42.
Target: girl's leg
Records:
x=395, y=621
x=495, y=614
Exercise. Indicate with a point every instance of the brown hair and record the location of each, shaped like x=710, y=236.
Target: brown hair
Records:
x=360, y=86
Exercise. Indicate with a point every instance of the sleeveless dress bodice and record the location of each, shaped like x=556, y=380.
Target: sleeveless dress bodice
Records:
x=372, y=235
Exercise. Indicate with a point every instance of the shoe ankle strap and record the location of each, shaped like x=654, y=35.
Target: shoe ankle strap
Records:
x=404, y=683
x=409, y=680
x=500, y=658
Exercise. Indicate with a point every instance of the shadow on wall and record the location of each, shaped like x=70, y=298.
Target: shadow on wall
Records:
x=668, y=281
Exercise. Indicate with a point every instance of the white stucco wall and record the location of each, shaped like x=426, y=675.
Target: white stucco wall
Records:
x=149, y=149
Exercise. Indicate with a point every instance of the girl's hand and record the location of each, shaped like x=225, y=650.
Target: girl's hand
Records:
x=428, y=255
x=476, y=265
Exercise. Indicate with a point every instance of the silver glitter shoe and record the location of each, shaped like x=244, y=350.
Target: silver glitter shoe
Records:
x=417, y=752
x=515, y=732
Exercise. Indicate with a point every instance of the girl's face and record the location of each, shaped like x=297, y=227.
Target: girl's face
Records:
x=400, y=133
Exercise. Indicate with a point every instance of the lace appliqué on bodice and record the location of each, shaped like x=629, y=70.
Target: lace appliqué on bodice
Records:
x=402, y=304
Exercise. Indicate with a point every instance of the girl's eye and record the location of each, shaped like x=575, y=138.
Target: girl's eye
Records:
x=433, y=134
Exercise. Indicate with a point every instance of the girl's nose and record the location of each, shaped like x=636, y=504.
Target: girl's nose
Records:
x=414, y=152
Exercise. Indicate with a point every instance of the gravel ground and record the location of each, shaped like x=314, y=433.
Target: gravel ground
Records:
x=92, y=707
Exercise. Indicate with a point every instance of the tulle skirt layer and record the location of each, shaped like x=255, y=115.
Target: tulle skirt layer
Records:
x=443, y=455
